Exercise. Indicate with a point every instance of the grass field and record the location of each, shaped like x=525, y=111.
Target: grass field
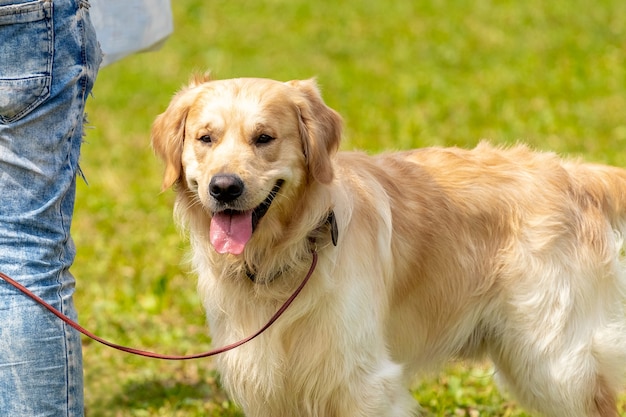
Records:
x=402, y=73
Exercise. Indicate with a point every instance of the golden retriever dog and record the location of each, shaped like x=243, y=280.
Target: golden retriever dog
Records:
x=424, y=256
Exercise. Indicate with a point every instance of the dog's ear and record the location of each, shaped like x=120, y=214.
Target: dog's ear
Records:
x=320, y=129
x=168, y=132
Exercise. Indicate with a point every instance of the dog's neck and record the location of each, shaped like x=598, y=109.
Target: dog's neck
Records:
x=333, y=230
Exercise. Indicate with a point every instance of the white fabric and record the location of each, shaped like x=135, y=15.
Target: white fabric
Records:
x=124, y=27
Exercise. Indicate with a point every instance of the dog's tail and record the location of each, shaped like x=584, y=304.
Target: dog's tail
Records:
x=605, y=187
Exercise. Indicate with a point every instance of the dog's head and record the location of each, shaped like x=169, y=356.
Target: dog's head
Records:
x=241, y=146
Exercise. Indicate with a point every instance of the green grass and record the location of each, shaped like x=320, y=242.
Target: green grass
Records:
x=402, y=73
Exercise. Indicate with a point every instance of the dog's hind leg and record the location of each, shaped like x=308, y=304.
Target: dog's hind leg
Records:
x=610, y=354
x=604, y=400
x=573, y=375
x=557, y=388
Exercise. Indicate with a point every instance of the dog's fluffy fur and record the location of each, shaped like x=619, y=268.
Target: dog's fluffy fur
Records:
x=442, y=253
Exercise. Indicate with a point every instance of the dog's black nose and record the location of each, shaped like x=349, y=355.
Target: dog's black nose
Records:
x=226, y=187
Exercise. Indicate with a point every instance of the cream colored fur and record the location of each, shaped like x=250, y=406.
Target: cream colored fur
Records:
x=442, y=253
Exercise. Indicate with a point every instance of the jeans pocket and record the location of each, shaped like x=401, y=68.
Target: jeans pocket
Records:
x=26, y=54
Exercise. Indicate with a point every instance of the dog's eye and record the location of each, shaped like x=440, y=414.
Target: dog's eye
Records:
x=205, y=139
x=263, y=139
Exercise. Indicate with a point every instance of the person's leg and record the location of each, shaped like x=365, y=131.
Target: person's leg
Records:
x=48, y=62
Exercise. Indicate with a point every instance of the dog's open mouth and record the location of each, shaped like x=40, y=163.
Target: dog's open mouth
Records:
x=231, y=229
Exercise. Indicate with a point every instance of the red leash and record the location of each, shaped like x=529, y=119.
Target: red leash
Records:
x=87, y=333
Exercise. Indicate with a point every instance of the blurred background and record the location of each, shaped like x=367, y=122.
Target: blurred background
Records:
x=402, y=73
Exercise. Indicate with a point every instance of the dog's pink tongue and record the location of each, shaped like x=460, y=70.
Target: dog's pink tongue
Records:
x=231, y=231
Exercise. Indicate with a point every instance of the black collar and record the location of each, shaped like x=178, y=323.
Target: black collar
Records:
x=334, y=231
x=331, y=221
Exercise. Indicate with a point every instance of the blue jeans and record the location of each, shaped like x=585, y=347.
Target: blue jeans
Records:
x=49, y=58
